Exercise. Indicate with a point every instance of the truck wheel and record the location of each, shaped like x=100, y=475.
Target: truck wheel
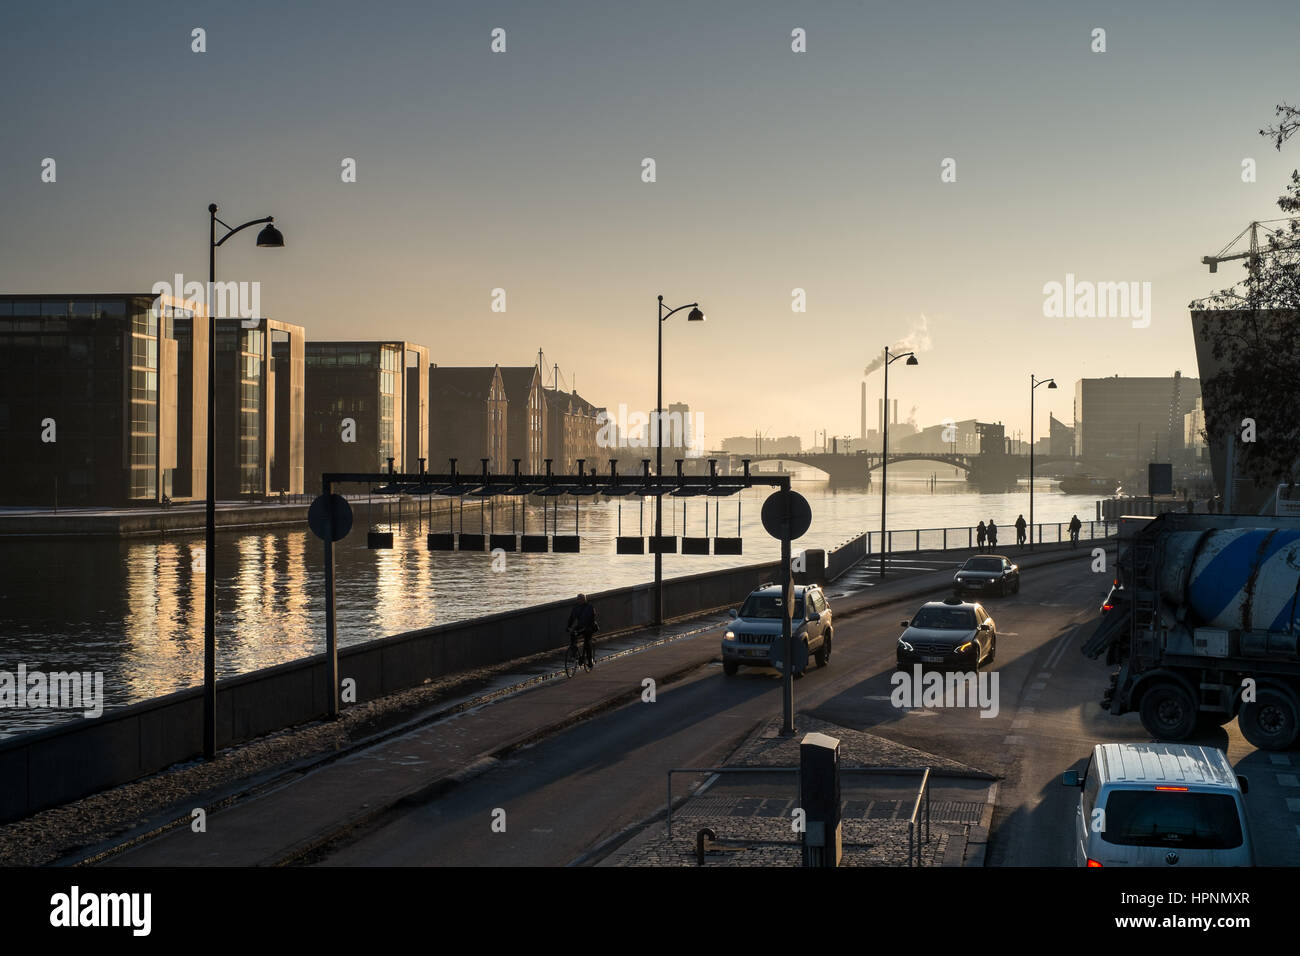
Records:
x=1168, y=712
x=729, y=668
x=1269, y=722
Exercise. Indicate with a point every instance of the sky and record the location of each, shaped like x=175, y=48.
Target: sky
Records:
x=775, y=170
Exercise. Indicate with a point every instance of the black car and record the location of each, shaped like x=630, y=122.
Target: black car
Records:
x=951, y=633
x=987, y=574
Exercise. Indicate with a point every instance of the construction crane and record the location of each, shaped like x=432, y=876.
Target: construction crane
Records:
x=1252, y=255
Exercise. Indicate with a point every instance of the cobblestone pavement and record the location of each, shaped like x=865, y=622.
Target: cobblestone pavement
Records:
x=751, y=814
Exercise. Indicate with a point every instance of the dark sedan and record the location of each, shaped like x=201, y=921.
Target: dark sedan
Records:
x=987, y=574
x=951, y=633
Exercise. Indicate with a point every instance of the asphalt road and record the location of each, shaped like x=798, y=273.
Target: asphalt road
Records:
x=567, y=795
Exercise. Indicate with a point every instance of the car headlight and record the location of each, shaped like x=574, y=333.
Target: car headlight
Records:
x=731, y=636
x=965, y=647
x=904, y=645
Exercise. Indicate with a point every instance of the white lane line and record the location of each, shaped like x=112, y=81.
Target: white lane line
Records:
x=1013, y=740
x=1060, y=650
x=1288, y=780
x=1045, y=675
x=1280, y=759
x=1293, y=804
x=1038, y=685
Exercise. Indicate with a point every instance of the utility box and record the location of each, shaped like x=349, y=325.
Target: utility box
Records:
x=1211, y=642
x=1160, y=478
x=819, y=798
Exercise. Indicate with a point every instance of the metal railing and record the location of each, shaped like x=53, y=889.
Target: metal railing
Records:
x=965, y=538
x=918, y=824
x=922, y=793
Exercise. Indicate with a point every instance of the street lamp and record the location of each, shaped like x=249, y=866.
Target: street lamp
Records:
x=695, y=315
x=1033, y=384
x=268, y=238
x=884, y=454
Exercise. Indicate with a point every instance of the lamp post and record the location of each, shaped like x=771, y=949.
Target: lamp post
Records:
x=269, y=238
x=884, y=454
x=695, y=315
x=1033, y=384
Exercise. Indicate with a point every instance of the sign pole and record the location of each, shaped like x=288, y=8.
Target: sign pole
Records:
x=331, y=640
x=787, y=591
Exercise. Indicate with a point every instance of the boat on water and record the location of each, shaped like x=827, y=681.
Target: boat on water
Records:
x=1089, y=485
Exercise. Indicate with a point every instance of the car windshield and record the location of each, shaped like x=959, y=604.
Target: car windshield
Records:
x=1167, y=818
x=945, y=618
x=768, y=606
x=983, y=564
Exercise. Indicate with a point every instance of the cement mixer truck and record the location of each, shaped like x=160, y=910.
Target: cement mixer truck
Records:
x=1204, y=626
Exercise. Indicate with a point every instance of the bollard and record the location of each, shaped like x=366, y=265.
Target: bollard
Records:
x=699, y=844
x=819, y=797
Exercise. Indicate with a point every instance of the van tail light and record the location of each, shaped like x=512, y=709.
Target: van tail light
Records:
x=1178, y=789
x=1092, y=862
x=1108, y=606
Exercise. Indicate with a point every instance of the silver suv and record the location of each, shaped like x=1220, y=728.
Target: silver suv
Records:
x=757, y=625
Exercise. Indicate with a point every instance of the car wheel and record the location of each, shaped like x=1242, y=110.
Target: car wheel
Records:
x=824, y=652
x=1269, y=721
x=1168, y=712
x=729, y=668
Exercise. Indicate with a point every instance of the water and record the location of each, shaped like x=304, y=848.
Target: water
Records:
x=133, y=608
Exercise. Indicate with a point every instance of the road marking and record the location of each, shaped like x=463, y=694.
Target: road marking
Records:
x=1293, y=804
x=1013, y=739
x=1280, y=759
x=1038, y=685
x=1288, y=780
x=1020, y=723
x=1060, y=649
x=1045, y=675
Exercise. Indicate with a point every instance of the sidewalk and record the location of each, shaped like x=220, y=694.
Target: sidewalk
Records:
x=751, y=819
x=310, y=804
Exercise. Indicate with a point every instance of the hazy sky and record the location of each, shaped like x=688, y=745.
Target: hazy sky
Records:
x=775, y=170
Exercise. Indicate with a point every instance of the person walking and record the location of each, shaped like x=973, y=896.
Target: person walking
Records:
x=992, y=532
x=979, y=536
x=1020, y=531
x=1075, y=525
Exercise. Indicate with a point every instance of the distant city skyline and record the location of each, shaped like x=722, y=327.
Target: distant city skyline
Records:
x=775, y=171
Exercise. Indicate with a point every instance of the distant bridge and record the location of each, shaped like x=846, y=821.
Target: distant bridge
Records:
x=984, y=470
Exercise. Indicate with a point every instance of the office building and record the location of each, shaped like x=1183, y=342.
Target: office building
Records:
x=467, y=419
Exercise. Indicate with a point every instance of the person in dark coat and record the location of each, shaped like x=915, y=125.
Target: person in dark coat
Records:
x=582, y=621
x=1020, y=531
x=992, y=532
x=979, y=535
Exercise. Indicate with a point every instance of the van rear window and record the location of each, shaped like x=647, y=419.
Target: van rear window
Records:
x=1164, y=818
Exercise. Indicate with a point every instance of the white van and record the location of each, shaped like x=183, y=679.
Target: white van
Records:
x=1160, y=805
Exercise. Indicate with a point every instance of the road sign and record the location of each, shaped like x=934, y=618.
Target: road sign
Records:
x=330, y=517
x=774, y=514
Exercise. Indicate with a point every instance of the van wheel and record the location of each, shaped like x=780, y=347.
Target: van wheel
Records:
x=729, y=668
x=1269, y=722
x=824, y=652
x=1168, y=712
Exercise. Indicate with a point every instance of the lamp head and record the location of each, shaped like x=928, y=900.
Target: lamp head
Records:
x=270, y=238
x=1051, y=383
x=911, y=360
x=695, y=315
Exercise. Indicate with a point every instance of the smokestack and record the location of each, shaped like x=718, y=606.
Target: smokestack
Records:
x=862, y=432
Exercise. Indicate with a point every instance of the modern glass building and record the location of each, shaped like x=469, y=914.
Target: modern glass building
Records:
x=94, y=390
x=366, y=402
x=1134, y=420
x=260, y=447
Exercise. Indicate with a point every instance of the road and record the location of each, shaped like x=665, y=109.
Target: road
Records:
x=565, y=796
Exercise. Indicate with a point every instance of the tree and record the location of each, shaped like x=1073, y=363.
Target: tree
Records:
x=1255, y=331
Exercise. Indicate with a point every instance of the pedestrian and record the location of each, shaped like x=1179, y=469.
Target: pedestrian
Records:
x=1075, y=525
x=979, y=535
x=992, y=532
x=1020, y=531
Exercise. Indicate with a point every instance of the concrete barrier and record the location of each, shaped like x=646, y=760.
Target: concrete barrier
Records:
x=53, y=766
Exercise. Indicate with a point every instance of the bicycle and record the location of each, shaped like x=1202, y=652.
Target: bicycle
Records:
x=576, y=658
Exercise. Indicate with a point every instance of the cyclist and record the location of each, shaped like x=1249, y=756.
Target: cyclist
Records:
x=582, y=622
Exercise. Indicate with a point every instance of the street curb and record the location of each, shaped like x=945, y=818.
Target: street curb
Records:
x=977, y=842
